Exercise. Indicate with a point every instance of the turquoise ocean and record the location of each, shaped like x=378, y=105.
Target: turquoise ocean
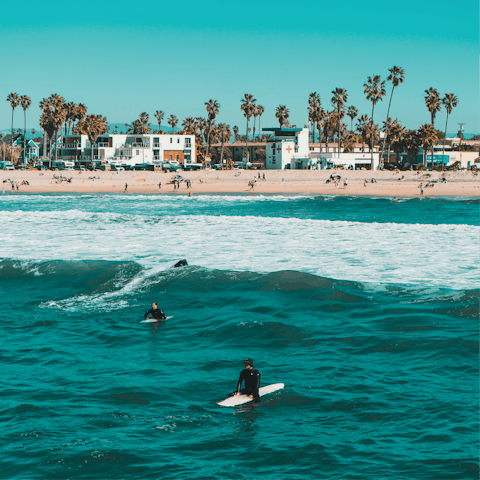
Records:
x=367, y=309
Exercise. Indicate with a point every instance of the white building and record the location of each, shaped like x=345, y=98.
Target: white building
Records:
x=130, y=149
x=353, y=161
x=287, y=144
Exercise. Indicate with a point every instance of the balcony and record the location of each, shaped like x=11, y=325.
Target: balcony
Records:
x=103, y=145
x=157, y=145
x=157, y=157
x=71, y=145
x=137, y=145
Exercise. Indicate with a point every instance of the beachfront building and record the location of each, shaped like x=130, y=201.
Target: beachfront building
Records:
x=350, y=161
x=286, y=145
x=130, y=149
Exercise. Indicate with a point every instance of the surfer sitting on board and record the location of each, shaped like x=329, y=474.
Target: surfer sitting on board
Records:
x=155, y=312
x=251, y=377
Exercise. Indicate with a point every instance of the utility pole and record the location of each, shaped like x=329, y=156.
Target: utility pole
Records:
x=460, y=132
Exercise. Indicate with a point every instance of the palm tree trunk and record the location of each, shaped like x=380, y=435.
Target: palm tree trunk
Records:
x=444, y=137
x=221, y=154
x=44, y=143
x=208, y=140
x=56, y=140
x=246, y=136
x=338, y=113
x=24, y=136
x=91, y=153
x=371, y=140
x=254, y=118
x=380, y=160
x=49, y=152
x=11, y=140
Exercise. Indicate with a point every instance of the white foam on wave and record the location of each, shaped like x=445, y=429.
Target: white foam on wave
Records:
x=416, y=254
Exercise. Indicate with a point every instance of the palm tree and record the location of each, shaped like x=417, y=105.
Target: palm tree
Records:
x=25, y=102
x=159, y=115
x=248, y=105
x=427, y=137
x=361, y=129
x=225, y=134
x=144, y=127
x=411, y=143
x=397, y=76
x=235, y=132
x=352, y=112
x=340, y=97
x=396, y=138
x=318, y=116
x=450, y=101
x=93, y=126
x=14, y=100
x=282, y=114
x=69, y=115
x=213, y=108
x=313, y=103
x=80, y=112
x=433, y=103
x=172, y=121
x=260, y=109
x=374, y=90
x=189, y=126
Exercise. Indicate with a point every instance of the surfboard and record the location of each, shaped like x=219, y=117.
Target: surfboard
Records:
x=153, y=320
x=241, y=399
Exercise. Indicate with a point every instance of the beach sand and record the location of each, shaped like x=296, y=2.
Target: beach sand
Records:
x=462, y=183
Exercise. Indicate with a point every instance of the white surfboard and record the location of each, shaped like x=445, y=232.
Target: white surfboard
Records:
x=153, y=320
x=241, y=399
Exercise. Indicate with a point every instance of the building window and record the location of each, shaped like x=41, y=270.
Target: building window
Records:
x=170, y=157
x=177, y=158
x=171, y=140
x=187, y=142
x=138, y=152
x=178, y=140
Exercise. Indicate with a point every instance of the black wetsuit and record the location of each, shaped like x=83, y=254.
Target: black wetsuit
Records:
x=156, y=313
x=252, y=382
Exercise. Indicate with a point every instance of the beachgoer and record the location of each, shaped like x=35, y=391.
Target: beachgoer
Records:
x=251, y=377
x=259, y=175
x=13, y=187
x=365, y=183
x=159, y=186
x=17, y=188
x=421, y=189
x=155, y=312
x=345, y=183
x=126, y=188
x=263, y=177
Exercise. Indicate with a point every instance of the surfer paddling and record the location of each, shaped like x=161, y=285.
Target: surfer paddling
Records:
x=251, y=377
x=155, y=312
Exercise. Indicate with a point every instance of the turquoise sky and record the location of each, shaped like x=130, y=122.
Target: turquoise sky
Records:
x=121, y=59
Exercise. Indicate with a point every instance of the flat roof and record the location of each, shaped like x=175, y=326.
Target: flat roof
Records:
x=282, y=129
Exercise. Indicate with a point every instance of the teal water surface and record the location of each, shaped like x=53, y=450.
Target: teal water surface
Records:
x=366, y=309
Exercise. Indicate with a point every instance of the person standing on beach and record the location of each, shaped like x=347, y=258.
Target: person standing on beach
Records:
x=251, y=376
x=159, y=186
x=126, y=188
x=17, y=188
x=421, y=189
x=13, y=187
x=263, y=177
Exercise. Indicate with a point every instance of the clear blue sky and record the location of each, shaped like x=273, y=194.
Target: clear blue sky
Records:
x=121, y=59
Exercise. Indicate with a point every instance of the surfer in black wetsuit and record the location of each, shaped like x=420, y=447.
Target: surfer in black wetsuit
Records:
x=251, y=377
x=155, y=312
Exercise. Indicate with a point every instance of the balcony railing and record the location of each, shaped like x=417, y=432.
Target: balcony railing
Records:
x=157, y=145
x=137, y=145
x=157, y=157
x=102, y=144
x=71, y=145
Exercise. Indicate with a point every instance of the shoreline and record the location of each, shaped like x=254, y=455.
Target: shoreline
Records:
x=231, y=182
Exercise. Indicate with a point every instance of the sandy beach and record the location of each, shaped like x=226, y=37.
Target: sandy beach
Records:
x=401, y=184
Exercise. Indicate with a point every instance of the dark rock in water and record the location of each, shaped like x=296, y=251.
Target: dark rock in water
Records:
x=181, y=263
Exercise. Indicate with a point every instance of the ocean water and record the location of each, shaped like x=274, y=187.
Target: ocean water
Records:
x=367, y=309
